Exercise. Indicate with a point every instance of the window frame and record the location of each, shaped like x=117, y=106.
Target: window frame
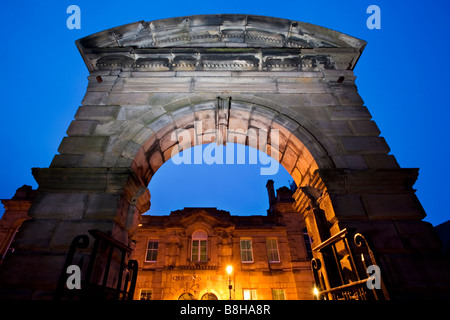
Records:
x=252, y=292
x=152, y=249
x=198, y=238
x=271, y=250
x=278, y=293
x=247, y=250
x=145, y=291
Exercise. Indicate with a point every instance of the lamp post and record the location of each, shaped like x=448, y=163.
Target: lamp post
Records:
x=229, y=271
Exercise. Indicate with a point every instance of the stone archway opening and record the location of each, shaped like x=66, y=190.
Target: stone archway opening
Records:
x=224, y=121
x=245, y=124
x=253, y=125
x=220, y=185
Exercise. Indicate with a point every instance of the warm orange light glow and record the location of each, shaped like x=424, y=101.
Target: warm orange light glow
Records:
x=229, y=269
x=316, y=291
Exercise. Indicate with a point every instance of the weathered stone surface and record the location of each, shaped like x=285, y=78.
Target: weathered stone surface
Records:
x=68, y=229
x=81, y=179
x=418, y=236
x=129, y=98
x=102, y=113
x=150, y=84
x=235, y=85
x=95, y=98
x=318, y=99
x=379, y=161
x=364, y=128
x=348, y=207
x=349, y=113
x=388, y=206
x=394, y=181
x=347, y=95
x=54, y=206
x=82, y=128
x=80, y=145
x=66, y=160
x=102, y=205
x=364, y=145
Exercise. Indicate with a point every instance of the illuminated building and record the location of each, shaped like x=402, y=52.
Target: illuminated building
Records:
x=185, y=255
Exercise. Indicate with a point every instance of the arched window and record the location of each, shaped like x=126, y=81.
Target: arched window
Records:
x=186, y=296
x=209, y=296
x=199, y=247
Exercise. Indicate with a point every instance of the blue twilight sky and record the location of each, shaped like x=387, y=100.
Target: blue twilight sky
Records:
x=401, y=76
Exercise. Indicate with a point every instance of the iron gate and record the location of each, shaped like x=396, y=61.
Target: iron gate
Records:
x=340, y=274
x=99, y=278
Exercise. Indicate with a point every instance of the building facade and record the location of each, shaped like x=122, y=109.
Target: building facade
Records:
x=185, y=255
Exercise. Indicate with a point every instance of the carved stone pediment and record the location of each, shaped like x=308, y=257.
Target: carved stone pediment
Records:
x=214, y=218
x=229, y=42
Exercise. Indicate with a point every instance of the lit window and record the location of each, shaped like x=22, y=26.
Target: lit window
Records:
x=199, y=247
x=272, y=250
x=278, y=294
x=249, y=294
x=146, y=294
x=152, y=251
x=246, y=251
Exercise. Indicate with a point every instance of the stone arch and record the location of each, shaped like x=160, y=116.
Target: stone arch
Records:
x=154, y=148
x=280, y=74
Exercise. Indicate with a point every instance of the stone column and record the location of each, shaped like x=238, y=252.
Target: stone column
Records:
x=69, y=201
x=380, y=204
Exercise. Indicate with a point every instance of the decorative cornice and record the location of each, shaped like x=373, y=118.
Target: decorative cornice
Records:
x=194, y=267
x=215, y=31
x=222, y=59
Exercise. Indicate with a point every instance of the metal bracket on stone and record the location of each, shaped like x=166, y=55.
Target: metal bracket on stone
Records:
x=222, y=119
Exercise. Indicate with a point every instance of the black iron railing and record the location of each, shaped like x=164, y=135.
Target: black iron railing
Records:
x=107, y=276
x=339, y=274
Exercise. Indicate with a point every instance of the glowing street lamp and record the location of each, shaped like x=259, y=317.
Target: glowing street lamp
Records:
x=316, y=292
x=229, y=271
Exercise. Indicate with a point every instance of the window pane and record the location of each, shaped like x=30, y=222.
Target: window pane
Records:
x=203, y=251
x=154, y=255
x=199, y=251
x=146, y=294
x=278, y=294
x=272, y=250
x=194, y=256
x=249, y=294
x=152, y=251
x=246, y=250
